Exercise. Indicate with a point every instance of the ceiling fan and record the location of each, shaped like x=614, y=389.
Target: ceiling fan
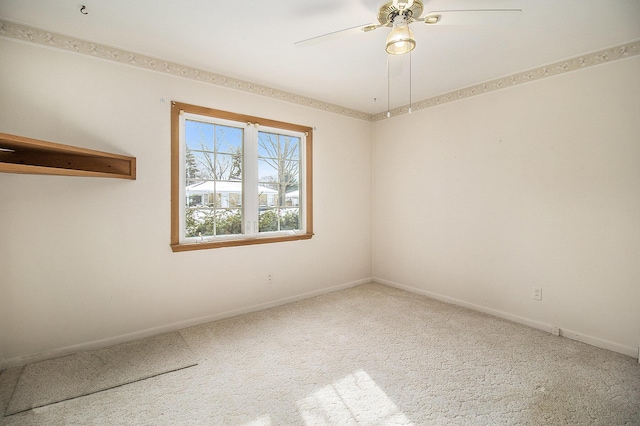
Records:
x=399, y=14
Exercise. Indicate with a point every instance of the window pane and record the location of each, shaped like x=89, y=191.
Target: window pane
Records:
x=228, y=222
x=194, y=200
x=228, y=167
x=213, y=168
x=229, y=139
x=235, y=200
x=275, y=219
x=279, y=171
x=267, y=197
x=200, y=193
x=289, y=219
x=198, y=222
x=268, y=220
x=267, y=170
x=289, y=172
x=229, y=189
x=198, y=135
x=270, y=170
x=292, y=198
x=290, y=148
x=200, y=165
x=192, y=171
x=271, y=145
x=267, y=145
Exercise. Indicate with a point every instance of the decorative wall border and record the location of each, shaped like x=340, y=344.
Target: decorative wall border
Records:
x=557, y=68
x=13, y=30
x=21, y=32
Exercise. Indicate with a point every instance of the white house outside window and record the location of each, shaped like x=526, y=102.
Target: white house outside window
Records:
x=237, y=179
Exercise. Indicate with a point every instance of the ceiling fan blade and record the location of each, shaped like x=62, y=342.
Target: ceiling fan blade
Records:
x=337, y=34
x=472, y=17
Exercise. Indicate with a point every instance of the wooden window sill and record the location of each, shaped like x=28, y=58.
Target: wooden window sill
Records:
x=238, y=242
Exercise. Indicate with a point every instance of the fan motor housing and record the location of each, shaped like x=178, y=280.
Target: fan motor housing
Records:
x=388, y=11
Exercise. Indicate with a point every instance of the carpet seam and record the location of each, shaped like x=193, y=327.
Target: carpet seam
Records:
x=4, y=414
x=91, y=393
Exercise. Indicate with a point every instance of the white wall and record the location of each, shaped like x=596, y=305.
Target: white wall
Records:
x=479, y=200
x=86, y=261
x=475, y=202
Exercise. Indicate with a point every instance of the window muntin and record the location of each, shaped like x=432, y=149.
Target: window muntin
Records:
x=238, y=179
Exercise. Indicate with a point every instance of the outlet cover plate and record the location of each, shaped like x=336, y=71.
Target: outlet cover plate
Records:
x=536, y=293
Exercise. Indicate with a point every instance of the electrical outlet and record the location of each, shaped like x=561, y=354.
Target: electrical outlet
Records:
x=269, y=278
x=555, y=330
x=536, y=293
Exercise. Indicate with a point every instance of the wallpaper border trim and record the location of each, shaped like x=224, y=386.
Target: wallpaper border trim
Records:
x=12, y=30
x=25, y=33
x=573, y=64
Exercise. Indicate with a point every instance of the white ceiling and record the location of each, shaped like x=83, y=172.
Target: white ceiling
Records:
x=253, y=40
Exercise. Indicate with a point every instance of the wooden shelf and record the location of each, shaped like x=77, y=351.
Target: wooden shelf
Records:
x=25, y=155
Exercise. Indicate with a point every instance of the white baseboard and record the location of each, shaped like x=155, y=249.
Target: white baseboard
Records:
x=110, y=341
x=549, y=328
x=102, y=343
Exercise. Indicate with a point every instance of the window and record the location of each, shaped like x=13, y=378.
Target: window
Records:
x=237, y=179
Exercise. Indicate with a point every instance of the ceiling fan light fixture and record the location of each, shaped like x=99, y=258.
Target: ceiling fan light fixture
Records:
x=400, y=40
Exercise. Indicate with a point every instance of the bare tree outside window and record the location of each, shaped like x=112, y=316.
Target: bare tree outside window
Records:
x=222, y=161
x=282, y=154
x=279, y=169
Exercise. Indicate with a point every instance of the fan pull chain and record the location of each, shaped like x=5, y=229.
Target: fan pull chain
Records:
x=410, y=100
x=388, y=91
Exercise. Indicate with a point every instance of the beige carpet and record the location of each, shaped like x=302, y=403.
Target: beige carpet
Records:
x=371, y=355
